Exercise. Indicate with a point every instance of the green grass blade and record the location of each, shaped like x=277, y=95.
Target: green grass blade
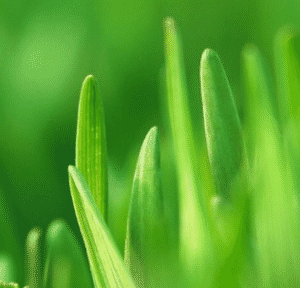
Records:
x=33, y=258
x=193, y=235
x=91, y=154
x=7, y=267
x=146, y=222
x=229, y=167
x=223, y=129
x=8, y=285
x=106, y=263
x=276, y=211
x=66, y=265
x=287, y=57
x=261, y=100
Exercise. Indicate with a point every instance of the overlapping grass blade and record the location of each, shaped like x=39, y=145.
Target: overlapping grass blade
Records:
x=146, y=229
x=229, y=167
x=33, y=248
x=193, y=235
x=276, y=211
x=65, y=264
x=91, y=154
x=106, y=263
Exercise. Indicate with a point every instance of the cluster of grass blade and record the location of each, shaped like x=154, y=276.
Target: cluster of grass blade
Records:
x=240, y=231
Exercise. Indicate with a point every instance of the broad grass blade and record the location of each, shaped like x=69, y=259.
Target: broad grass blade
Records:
x=66, y=265
x=91, y=154
x=223, y=129
x=193, y=235
x=146, y=229
x=229, y=166
x=106, y=263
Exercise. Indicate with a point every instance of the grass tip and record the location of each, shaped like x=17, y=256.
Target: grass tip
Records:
x=169, y=23
x=209, y=56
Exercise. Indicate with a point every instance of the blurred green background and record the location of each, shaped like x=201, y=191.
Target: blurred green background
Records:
x=48, y=47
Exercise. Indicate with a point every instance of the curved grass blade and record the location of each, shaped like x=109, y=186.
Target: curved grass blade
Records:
x=287, y=60
x=146, y=221
x=33, y=261
x=106, y=263
x=193, y=235
x=223, y=129
x=91, y=154
x=65, y=265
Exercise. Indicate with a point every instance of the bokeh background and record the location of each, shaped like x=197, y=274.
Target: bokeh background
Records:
x=46, y=50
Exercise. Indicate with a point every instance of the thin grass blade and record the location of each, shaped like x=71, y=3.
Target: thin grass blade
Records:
x=193, y=236
x=7, y=267
x=261, y=100
x=33, y=248
x=106, y=263
x=91, y=154
x=65, y=265
x=287, y=59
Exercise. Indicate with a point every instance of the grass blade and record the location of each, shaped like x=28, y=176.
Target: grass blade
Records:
x=223, y=130
x=8, y=285
x=146, y=222
x=107, y=266
x=91, y=154
x=229, y=167
x=276, y=211
x=7, y=267
x=260, y=95
x=193, y=235
x=33, y=261
x=287, y=57
x=65, y=265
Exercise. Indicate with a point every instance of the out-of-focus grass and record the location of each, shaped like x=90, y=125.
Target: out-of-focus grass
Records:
x=46, y=50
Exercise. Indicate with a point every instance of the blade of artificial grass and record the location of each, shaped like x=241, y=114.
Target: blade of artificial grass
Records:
x=91, y=154
x=33, y=261
x=276, y=213
x=66, y=265
x=106, y=263
x=287, y=57
x=193, y=235
x=146, y=221
x=223, y=129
